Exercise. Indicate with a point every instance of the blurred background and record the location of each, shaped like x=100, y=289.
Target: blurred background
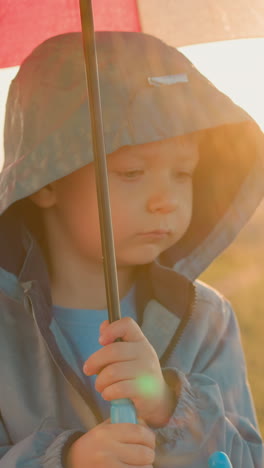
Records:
x=225, y=41
x=235, y=67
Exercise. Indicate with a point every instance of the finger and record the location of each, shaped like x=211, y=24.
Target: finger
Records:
x=117, y=372
x=125, y=328
x=140, y=466
x=142, y=422
x=128, y=433
x=135, y=390
x=108, y=421
x=135, y=454
x=104, y=325
x=115, y=352
x=133, y=466
x=119, y=390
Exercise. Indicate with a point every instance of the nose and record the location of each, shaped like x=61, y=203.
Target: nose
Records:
x=163, y=200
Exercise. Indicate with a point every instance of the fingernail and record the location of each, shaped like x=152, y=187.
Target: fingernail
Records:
x=101, y=340
x=86, y=370
x=104, y=396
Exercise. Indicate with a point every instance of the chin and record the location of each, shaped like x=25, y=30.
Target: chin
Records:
x=141, y=256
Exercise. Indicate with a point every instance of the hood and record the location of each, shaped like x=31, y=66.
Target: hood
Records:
x=149, y=92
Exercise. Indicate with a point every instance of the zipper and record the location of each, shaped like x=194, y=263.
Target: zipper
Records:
x=96, y=415
x=29, y=300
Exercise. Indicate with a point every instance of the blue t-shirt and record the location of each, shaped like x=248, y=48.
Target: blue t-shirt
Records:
x=80, y=327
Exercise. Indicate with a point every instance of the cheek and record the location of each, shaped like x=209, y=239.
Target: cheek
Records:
x=79, y=215
x=125, y=208
x=85, y=231
x=187, y=208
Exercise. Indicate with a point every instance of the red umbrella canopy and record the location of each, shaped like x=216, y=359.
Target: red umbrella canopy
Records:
x=26, y=23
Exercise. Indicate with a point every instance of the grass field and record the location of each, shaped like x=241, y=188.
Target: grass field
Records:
x=239, y=274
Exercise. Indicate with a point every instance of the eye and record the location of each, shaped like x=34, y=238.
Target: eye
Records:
x=184, y=175
x=130, y=175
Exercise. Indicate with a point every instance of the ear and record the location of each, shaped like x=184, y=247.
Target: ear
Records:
x=45, y=197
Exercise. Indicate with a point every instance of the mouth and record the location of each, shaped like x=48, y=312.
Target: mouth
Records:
x=157, y=234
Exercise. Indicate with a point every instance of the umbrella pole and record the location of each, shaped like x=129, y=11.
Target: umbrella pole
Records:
x=92, y=78
x=121, y=410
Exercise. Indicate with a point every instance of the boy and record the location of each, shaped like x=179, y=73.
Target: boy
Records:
x=185, y=172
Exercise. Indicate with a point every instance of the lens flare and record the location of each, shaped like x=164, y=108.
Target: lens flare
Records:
x=148, y=386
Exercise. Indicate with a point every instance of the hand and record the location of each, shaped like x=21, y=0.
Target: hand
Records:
x=113, y=446
x=131, y=369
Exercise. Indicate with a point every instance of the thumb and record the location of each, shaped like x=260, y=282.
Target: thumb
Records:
x=107, y=421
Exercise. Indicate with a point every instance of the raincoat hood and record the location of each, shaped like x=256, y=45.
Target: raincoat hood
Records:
x=149, y=92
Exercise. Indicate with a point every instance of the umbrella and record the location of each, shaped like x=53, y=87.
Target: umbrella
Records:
x=28, y=23
x=198, y=21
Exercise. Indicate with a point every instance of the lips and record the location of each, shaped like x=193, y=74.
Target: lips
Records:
x=157, y=234
x=158, y=231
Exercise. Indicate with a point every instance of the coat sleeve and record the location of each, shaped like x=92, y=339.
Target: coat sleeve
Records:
x=214, y=410
x=44, y=448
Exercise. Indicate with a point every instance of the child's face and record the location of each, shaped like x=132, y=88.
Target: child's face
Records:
x=151, y=201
